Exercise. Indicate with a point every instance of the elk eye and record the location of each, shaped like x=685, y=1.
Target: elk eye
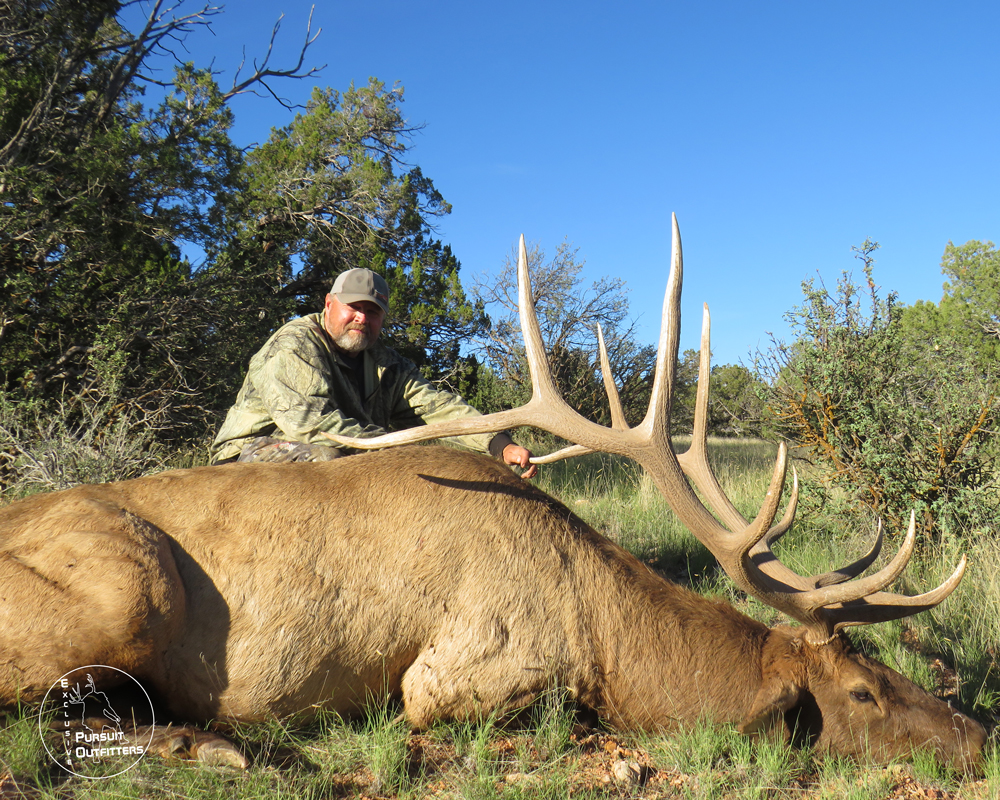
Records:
x=862, y=697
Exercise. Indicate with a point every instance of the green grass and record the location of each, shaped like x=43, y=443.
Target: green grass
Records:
x=21, y=750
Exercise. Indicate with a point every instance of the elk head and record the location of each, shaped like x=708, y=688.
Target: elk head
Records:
x=811, y=679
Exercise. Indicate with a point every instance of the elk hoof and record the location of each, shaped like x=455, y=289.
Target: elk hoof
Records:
x=191, y=744
x=221, y=752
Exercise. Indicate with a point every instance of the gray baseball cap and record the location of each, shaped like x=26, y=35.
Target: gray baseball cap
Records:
x=360, y=284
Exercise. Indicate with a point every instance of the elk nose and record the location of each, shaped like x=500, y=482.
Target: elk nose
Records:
x=972, y=739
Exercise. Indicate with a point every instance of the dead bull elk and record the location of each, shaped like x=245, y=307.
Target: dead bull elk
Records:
x=259, y=590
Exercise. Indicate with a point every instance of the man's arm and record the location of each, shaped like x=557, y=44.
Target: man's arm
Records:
x=421, y=402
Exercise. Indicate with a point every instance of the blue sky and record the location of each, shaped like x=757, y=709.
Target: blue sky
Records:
x=780, y=133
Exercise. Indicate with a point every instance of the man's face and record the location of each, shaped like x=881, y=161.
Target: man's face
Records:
x=352, y=326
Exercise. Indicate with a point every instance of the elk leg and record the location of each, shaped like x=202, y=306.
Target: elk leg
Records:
x=87, y=583
x=469, y=672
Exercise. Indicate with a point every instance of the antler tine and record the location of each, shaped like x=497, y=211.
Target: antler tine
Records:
x=694, y=461
x=762, y=576
x=614, y=403
x=855, y=569
x=656, y=424
x=614, y=399
x=779, y=530
x=572, y=451
x=885, y=606
x=855, y=590
x=543, y=386
x=766, y=561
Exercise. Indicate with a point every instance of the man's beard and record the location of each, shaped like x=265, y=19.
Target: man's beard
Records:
x=353, y=344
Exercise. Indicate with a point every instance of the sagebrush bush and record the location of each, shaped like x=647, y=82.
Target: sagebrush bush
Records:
x=75, y=442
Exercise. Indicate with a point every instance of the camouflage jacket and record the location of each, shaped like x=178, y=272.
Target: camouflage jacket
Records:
x=298, y=385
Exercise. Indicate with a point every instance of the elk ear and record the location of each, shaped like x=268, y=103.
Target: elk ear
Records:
x=776, y=696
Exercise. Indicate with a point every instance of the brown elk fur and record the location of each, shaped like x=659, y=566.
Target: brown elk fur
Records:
x=253, y=591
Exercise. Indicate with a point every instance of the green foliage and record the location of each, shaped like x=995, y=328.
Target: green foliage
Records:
x=734, y=404
x=970, y=294
x=735, y=407
x=552, y=721
x=104, y=201
x=22, y=752
x=385, y=750
x=839, y=780
x=331, y=191
x=330, y=183
x=431, y=317
x=98, y=194
x=895, y=428
x=967, y=316
x=82, y=442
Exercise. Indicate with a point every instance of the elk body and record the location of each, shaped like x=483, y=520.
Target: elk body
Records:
x=261, y=590
x=253, y=591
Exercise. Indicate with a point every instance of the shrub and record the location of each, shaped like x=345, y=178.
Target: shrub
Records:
x=897, y=429
x=77, y=441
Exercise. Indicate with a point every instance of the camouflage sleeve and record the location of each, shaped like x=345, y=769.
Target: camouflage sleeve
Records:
x=423, y=403
x=297, y=388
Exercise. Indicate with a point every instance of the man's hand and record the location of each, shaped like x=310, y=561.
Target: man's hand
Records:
x=517, y=456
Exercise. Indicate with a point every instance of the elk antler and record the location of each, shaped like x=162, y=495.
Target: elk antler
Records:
x=824, y=603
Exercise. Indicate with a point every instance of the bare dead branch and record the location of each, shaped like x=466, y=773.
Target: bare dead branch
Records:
x=262, y=72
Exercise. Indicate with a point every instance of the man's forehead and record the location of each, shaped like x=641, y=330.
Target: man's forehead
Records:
x=359, y=304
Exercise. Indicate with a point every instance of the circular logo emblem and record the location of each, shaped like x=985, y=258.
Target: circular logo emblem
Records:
x=81, y=726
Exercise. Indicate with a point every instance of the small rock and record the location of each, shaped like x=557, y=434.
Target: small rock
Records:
x=627, y=771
